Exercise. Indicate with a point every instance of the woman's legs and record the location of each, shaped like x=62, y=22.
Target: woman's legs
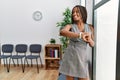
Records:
x=72, y=78
x=83, y=79
x=69, y=78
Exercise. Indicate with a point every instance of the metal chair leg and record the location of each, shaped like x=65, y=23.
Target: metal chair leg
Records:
x=13, y=62
x=31, y=63
x=7, y=65
x=27, y=62
x=22, y=65
x=4, y=62
x=37, y=66
x=41, y=62
x=17, y=62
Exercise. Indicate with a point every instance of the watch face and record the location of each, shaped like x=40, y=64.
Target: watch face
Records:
x=37, y=15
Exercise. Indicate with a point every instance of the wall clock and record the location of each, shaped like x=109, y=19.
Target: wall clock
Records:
x=37, y=15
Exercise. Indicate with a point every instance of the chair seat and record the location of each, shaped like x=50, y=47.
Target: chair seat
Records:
x=32, y=56
x=5, y=56
x=17, y=56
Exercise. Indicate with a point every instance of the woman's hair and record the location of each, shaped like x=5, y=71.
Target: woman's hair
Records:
x=82, y=11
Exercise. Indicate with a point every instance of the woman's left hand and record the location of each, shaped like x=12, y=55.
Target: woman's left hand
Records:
x=86, y=37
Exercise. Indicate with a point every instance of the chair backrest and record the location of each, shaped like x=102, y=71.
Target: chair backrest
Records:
x=35, y=48
x=21, y=48
x=7, y=48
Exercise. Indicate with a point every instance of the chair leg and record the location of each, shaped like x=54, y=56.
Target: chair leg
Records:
x=41, y=62
x=37, y=65
x=13, y=62
x=17, y=62
x=22, y=65
x=31, y=63
x=27, y=62
x=4, y=62
x=7, y=65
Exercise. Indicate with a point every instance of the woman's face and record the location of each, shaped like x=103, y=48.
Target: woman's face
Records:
x=76, y=14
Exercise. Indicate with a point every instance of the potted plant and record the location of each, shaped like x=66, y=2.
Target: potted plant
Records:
x=52, y=41
x=66, y=20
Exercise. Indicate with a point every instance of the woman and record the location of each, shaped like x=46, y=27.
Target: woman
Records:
x=74, y=62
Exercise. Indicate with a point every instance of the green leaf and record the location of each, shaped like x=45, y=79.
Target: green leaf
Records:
x=66, y=20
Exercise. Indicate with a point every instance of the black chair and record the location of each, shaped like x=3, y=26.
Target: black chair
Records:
x=7, y=50
x=21, y=50
x=35, y=50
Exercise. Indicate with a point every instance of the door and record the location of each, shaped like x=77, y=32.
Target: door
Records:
x=105, y=22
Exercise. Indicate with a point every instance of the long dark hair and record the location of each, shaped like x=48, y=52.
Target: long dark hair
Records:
x=82, y=11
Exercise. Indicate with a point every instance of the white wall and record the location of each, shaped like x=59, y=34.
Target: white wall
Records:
x=89, y=7
x=107, y=16
x=17, y=25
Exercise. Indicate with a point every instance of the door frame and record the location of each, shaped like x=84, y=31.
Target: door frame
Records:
x=118, y=47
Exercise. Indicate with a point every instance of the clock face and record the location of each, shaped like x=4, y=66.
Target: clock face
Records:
x=37, y=15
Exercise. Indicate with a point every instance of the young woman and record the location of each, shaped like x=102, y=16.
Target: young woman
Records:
x=75, y=62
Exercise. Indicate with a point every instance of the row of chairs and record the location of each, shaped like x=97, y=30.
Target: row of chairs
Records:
x=20, y=49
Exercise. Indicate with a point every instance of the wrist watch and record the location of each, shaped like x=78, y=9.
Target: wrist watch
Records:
x=80, y=35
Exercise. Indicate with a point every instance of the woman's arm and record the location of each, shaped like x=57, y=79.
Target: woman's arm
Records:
x=89, y=37
x=67, y=33
x=91, y=41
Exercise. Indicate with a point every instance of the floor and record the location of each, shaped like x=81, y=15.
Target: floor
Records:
x=29, y=74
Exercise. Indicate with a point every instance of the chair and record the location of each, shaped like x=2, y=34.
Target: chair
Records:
x=35, y=50
x=7, y=50
x=21, y=50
